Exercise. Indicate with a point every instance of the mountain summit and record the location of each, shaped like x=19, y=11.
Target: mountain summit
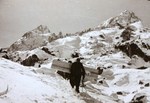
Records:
x=39, y=30
x=125, y=18
x=32, y=39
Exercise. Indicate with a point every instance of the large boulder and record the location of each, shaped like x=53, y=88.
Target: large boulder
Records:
x=30, y=61
x=139, y=98
x=133, y=49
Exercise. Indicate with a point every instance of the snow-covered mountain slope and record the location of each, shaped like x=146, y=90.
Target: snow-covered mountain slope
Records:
x=132, y=39
x=128, y=31
x=38, y=37
x=120, y=46
x=127, y=84
x=125, y=18
x=33, y=39
x=25, y=86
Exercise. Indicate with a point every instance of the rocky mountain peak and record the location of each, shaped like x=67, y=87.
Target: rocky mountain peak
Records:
x=122, y=20
x=32, y=39
x=129, y=16
x=42, y=29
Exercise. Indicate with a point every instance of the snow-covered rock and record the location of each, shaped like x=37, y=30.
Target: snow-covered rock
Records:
x=139, y=98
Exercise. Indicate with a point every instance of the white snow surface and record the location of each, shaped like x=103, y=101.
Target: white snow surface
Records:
x=25, y=86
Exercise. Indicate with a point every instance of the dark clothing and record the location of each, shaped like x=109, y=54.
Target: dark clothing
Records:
x=72, y=81
x=76, y=71
x=77, y=83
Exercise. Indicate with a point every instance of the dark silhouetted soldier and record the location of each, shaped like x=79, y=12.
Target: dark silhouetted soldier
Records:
x=76, y=71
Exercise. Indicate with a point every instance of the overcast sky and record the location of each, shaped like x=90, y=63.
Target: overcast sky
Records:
x=20, y=16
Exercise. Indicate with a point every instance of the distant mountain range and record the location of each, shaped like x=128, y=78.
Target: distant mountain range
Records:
x=124, y=32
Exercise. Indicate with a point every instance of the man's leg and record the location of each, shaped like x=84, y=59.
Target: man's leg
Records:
x=78, y=78
x=72, y=81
